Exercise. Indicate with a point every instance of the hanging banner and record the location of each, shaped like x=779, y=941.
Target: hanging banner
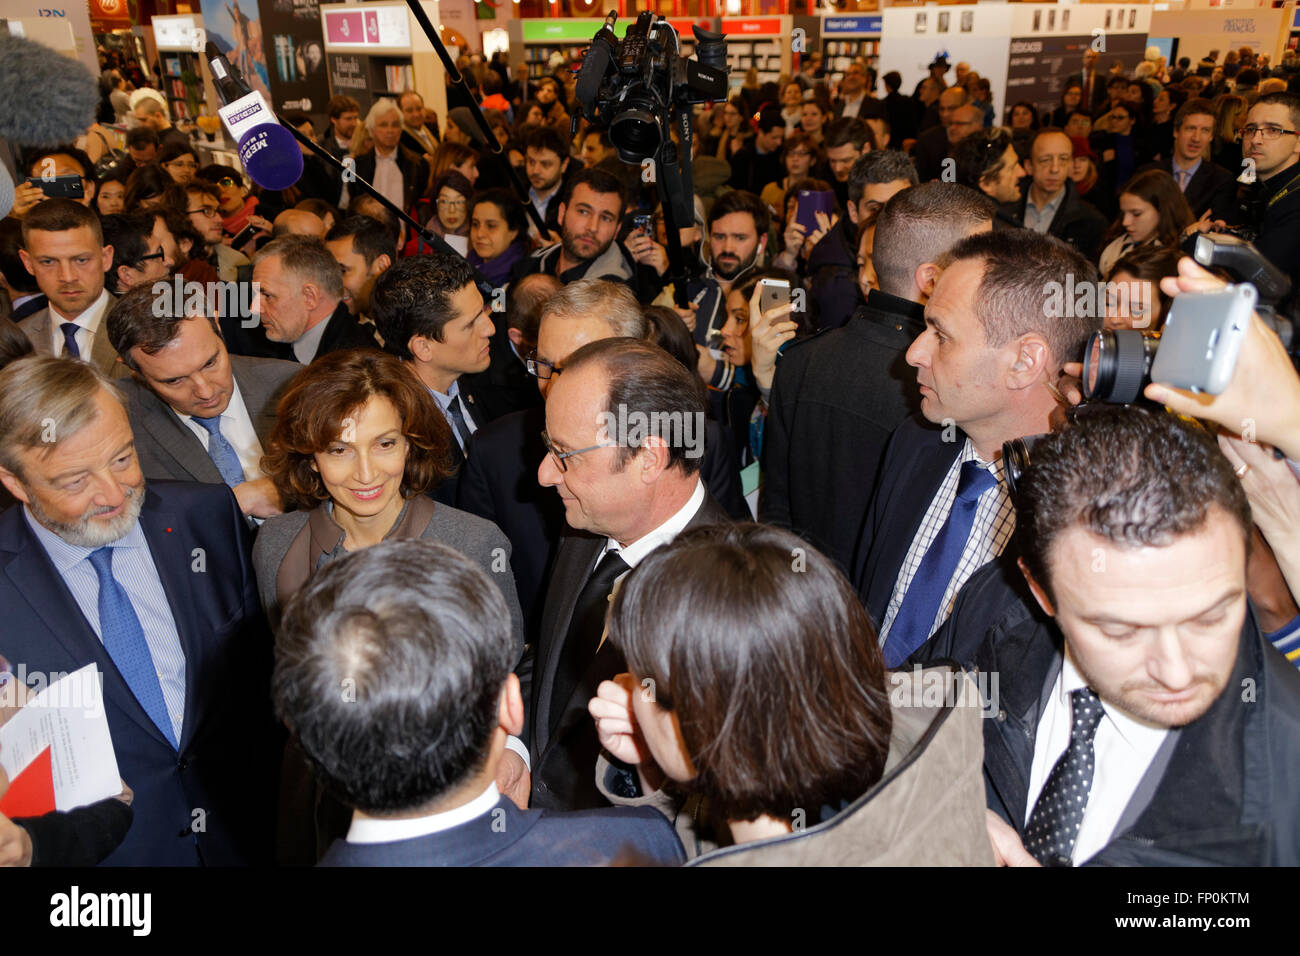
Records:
x=237, y=33
x=291, y=32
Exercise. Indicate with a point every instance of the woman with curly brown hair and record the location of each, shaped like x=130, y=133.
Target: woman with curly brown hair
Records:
x=358, y=442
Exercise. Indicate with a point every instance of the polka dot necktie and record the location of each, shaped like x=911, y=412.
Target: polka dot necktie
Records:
x=1054, y=824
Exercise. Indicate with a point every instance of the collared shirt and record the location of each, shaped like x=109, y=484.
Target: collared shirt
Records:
x=237, y=427
x=88, y=324
x=134, y=569
x=1123, y=749
x=368, y=829
x=1179, y=172
x=541, y=203
x=995, y=520
x=422, y=134
x=388, y=178
x=1039, y=218
x=304, y=350
x=634, y=553
x=851, y=107
x=444, y=406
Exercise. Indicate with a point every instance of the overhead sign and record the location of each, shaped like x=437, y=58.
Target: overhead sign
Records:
x=383, y=28
x=854, y=25
x=751, y=26
x=176, y=33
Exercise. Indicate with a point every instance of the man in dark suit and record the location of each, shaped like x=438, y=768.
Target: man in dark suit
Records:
x=25, y=295
x=63, y=247
x=197, y=412
x=758, y=162
x=838, y=396
x=987, y=364
x=506, y=386
x=438, y=648
x=1092, y=80
x=431, y=315
x=155, y=587
x=629, y=479
x=1207, y=186
x=932, y=144
x=416, y=133
x=1142, y=718
x=300, y=300
x=1051, y=205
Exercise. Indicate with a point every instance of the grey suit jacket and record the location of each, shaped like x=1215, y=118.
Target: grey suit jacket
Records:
x=166, y=445
x=102, y=355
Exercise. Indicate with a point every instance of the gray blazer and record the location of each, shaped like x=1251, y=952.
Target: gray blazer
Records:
x=102, y=354
x=166, y=445
x=477, y=538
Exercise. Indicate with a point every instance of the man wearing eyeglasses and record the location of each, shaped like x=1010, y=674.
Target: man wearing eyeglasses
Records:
x=144, y=250
x=47, y=164
x=1271, y=140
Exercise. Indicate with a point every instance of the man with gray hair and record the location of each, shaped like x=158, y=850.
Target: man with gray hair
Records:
x=300, y=300
x=153, y=586
x=837, y=396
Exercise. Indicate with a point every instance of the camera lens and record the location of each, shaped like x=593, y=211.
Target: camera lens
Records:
x=635, y=134
x=1117, y=365
x=1015, y=459
x=710, y=48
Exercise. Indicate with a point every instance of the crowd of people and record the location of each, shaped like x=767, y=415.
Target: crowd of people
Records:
x=484, y=543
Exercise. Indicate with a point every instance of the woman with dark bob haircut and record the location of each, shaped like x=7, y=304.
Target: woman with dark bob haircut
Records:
x=357, y=446
x=758, y=691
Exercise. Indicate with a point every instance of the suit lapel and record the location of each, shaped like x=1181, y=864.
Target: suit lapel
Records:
x=35, y=578
x=175, y=439
x=257, y=400
x=38, y=331
x=102, y=354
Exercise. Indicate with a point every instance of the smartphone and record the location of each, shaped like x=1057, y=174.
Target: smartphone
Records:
x=811, y=202
x=773, y=294
x=245, y=234
x=1202, y=337
x=710, y=316
x=645, y=222
x=60, y=187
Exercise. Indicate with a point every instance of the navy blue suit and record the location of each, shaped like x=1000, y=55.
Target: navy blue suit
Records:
x=508, y=836
x=212, y=802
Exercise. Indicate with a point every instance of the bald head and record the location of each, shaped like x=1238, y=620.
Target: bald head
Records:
x=298, y=222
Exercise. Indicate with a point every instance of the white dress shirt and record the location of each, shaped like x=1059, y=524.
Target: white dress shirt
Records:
x=444, y=406
x=237, y=427
x=88, y=326
x=995, y=520
x=635, y=552
x=388, y=178
x=367, y=829
x=1123, y=749
x=134, y=569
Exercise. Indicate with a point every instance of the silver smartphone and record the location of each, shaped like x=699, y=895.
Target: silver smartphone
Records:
x=1202, y=337
x=773, y=294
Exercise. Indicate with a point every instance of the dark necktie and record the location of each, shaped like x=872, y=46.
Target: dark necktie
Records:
x=458, y=422
x=124, y=639
x=69, y=330
x=586, y=628
x=221, y=452
x=1054, y=825
x=915, y=617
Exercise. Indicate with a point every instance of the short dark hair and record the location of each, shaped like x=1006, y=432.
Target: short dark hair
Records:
x=141, y=136
x=60, y=215
x=893, y=81
x=338, y=105
x=11, y=264
x=849, y=131
x=525, y=299
x=79, y=156
x=413, y=297
x=174, y=150
x=1282, y=98
x=141, y=319
x=420, y=638
x=320, y=208
x=1021, y=268
x=979, y=156
x=128, y=234
x=148, y=182
x=505, y=201
x=878, y=167
x=548, y=138
x=1135, y=476
x=374, y=210
x=769, y=118
x=920, y=225
x=370, y=237
x=598, y=181
x=739, y=200
x=647, y=381
x=318, y=401
x=771, y=667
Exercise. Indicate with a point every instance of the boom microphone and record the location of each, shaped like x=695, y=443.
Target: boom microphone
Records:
x=268, y=151
x=48, y=98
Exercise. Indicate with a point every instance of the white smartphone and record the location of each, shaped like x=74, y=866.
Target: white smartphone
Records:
x=773, y=294
x=1202, y=338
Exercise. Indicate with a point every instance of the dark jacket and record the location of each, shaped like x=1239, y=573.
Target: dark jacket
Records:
x=929, y=152
x=613, y=265
x=508, y=836
x=345, y=331
x=1227, y=792
x=1212, y=188
x=836, y=398
x=505, y=385
x=832, y=276
x=751, y=171
x=1277, y=221
x=1076, y=221
x=415, y=173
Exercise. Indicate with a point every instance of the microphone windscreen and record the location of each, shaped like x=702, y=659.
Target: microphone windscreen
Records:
x=6, y=191
x=271, y=156
x=48, y=98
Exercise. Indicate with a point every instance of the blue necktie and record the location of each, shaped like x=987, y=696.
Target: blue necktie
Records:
x=221, y=452
x=912, y=623
x=69, y=330
x=124, y=640
x=458, y=421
